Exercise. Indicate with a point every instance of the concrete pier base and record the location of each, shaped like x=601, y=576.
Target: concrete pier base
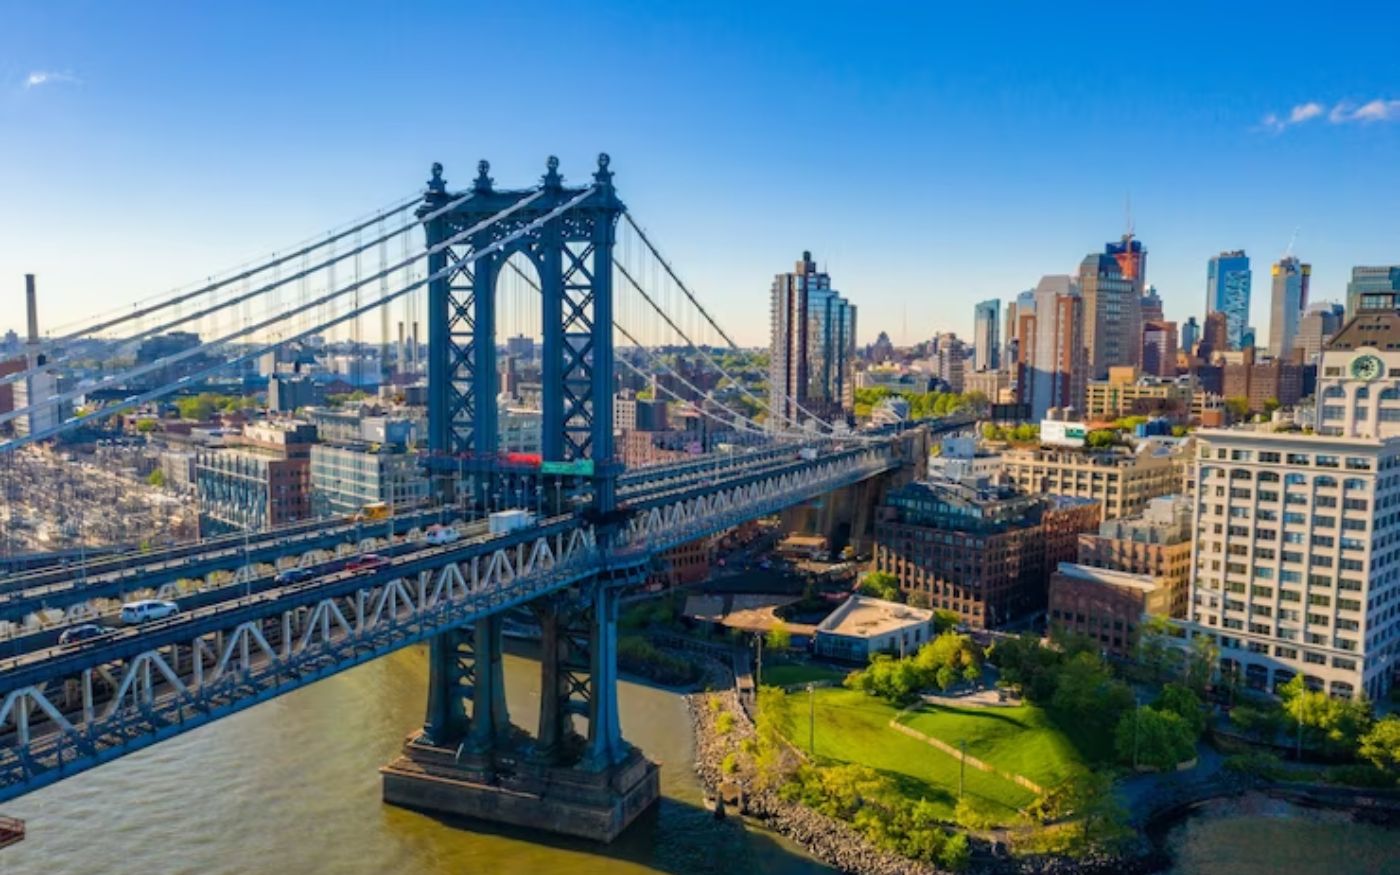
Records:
x=512, y=790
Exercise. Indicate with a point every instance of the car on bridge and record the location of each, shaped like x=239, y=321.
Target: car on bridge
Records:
x=438, y=535
x=82, y=632
x=146, y=610
x=293, y=575
x=366, y=562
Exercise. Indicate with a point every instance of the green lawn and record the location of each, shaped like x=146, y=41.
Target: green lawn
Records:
x=1021, y=740
x=853, y=727
x=786, y=674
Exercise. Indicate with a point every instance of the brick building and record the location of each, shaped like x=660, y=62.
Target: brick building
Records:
x=982, y=550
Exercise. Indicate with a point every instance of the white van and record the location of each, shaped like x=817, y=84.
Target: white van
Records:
x=148, y=609
x=438, y=535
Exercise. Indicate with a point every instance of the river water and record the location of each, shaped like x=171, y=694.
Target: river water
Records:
x=292, y=786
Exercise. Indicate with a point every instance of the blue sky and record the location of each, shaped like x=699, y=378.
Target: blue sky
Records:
x=930, y=158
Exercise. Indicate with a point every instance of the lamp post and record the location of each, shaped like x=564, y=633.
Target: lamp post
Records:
x=812, y=719
x=962, y=766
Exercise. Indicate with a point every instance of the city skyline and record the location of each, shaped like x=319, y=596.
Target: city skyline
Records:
x=145, y=110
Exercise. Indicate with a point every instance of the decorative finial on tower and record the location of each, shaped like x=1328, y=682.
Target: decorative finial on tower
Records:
x=552, y=179
x=604, y=175
x=483, y=181
x=437, y=185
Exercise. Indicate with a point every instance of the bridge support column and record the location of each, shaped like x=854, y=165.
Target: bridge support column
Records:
x=490, y=721
x=605, y=745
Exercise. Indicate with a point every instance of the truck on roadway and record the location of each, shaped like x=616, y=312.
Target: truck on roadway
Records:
x=504, y=521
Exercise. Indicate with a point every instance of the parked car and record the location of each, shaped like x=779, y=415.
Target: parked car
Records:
x=146, y=610
x=81, y=632
x=366, y=562
x=294, y=575
x=437, y=535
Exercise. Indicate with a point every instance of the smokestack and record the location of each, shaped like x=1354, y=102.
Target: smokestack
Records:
x=31, y=303
x=399, y=364
x=416, y=351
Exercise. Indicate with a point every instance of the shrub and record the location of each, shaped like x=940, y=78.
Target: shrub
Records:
x=1153, y=738
x=1359, y=776
x=1258, y=764
x=730, y=764
x=971, y=815
x=957, y=854
x=724, y=723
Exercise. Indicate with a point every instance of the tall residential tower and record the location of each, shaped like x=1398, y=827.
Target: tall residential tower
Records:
x=985, y=335
x=812, y=363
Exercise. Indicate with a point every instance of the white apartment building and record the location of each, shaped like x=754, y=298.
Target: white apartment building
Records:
x=1296, y=563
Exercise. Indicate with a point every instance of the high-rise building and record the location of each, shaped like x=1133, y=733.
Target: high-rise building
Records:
x=1358, y=379
x=812, y=352
x=1286, y=305
x=1159, y=348
x=1152, y=306
x=1317, y=326
x=1215, y=338
x=1294, y=566
x=986, y=335
x=1111, y=284
x=1190, y=334
x=1120, y=480
x=951, y=355
x=1227, y=291
x=1024, y=304
x=1051, y=368
x=1378, y=278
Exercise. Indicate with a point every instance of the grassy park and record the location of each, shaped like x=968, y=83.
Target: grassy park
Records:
x=787, y=674
x=853, y=727
x=1022, y=740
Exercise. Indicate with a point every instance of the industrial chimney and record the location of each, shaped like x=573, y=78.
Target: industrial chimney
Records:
x=31, y=303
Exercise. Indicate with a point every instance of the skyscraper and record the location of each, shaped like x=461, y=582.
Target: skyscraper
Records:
x=1111, y=285
x=1227, y=291
x=1380, y=278
x=1159, y=348
x=1052, y=369
x=986, y=334
x=1286, y=305
x=1152, y=305
x=1190, y=333
x=1317, y=326
x=951, y=356
x=812, y=352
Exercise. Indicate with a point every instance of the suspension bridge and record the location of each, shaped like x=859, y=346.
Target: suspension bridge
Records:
x=572, y=261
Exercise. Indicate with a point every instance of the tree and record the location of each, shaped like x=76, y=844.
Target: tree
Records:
x=1201, y=662
x=1238, y=407
x=880, y=585
x=156, y=478
x=1101, y=438
x=1146, y=736
x=1157, y=650
x=1089, y=796
x=1086, y=692
x=950, y=658
x=1336, y=725
x=1270, y=405
x=146, y=426
x=778, y=638
x=1381, y=745
x=1181, y=701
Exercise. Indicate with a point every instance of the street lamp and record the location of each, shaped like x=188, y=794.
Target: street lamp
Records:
x=812, y=719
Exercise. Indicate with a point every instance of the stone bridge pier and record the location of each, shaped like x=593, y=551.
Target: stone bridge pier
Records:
x=574, y=774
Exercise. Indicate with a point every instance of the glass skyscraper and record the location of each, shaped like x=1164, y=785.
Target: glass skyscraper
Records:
x=985, y=335
x=1286, y=305
x=1227, y=291
x=812, y=350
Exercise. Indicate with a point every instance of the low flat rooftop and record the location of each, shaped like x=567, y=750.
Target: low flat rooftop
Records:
x=864, y=617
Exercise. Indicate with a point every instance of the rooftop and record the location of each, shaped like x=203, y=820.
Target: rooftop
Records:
x=865, y=617
x=1140, y=582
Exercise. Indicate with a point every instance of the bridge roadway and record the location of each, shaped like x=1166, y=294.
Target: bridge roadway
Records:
x=223, y=554
x=167, y=677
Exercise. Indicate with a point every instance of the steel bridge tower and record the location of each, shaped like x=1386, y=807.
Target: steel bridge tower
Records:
x=468, y=758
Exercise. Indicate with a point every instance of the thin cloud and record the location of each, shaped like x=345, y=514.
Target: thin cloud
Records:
x=1342, y=112
x=49, y=77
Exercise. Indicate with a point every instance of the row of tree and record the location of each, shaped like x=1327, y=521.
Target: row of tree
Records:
x=946, y=660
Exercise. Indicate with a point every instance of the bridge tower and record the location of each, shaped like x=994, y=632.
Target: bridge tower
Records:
x=468, y=759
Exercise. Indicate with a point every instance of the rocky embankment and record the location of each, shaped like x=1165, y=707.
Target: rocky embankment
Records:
x=824, y=837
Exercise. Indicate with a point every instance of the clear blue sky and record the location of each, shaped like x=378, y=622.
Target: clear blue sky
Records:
x=929, y=159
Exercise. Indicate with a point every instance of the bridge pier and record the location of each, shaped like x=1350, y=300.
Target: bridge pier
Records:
x=473, y=763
